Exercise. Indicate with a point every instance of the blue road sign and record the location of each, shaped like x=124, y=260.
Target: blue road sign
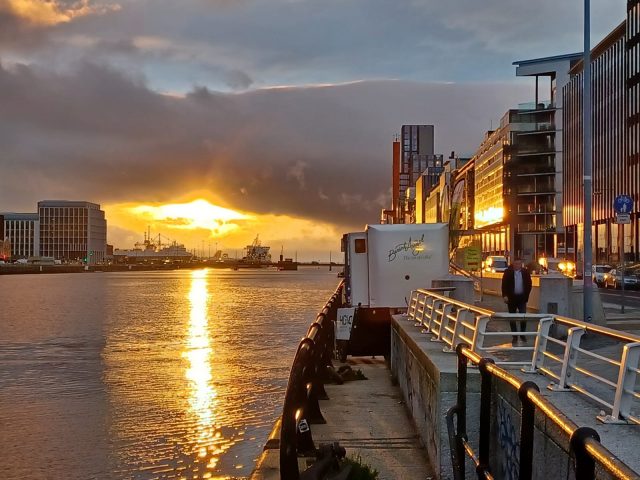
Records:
x=623, y=204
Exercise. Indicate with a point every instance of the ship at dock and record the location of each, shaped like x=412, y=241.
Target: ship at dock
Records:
x=153, y=251
x=256, y=256
x=286, y=264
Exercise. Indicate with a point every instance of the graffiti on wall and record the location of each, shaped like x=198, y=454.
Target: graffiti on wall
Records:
x=509, y=442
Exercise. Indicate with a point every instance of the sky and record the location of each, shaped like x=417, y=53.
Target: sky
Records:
x=213, y=121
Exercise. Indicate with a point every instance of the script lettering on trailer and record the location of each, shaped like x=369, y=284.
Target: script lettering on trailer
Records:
x=415, y=247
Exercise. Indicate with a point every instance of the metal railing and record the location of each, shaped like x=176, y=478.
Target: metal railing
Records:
x=453, y=322
x=305, y=388
x=623, y=366
x=584, y=443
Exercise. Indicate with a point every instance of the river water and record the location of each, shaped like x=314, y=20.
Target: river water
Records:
x=147, y=375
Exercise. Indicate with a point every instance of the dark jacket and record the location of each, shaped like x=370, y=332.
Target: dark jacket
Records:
x=508, y=283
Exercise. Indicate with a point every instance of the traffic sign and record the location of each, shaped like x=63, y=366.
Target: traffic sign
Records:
x=472, y=258
x=623, y=218
x=623, y=204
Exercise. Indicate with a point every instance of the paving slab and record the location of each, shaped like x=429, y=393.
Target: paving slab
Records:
x=369, y=419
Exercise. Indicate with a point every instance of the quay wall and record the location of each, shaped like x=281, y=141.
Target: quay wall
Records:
x=427, y=377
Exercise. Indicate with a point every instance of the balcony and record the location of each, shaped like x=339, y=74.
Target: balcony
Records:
x=536, y=129
x=535, y=153
x=526, y=192
x=531, y=227
x=532, y=209
x=536, y=172
x=532, y=107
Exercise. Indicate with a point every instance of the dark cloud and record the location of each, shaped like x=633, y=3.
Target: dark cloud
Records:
x=238, y=80
x=118, y=46
x=321, y=152
x=17, y=33
x=241, y=44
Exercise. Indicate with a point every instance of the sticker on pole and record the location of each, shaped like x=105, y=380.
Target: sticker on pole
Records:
x=623, y=218
x=344, y=323
x=623, y=204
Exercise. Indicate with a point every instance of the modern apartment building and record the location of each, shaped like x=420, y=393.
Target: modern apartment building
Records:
x=23, y=232
x=413, y=158
x=489, y=206
x=540, y=154
x=615, y=143
x=72, y=231
x=633, y=83
x=5, y=245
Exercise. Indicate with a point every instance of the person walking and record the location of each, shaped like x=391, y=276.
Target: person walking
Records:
x=516, y=287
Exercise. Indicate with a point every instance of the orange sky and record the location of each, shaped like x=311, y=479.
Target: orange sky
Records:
x=200, y=224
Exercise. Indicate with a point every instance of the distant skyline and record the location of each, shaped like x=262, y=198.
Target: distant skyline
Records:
x=281, y=110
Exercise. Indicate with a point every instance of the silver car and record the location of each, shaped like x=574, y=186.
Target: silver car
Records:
x=599, y=272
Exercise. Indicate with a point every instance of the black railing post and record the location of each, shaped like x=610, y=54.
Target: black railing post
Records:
x=460, y=410
x=325, y=354
x=485, y=418
x=303, y=388
x=527, y=414
x=319, y=355
x=585, y=465
x=462, y=390
x=289, y=425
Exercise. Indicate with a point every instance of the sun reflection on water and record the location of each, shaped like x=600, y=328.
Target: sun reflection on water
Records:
x=203, y=396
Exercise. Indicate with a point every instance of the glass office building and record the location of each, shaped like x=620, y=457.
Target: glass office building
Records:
x=23, y=232
x=615, y=141
x=72, y=231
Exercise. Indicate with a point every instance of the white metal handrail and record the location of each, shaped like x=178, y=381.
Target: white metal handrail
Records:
x=453, y=322
x=623, y=389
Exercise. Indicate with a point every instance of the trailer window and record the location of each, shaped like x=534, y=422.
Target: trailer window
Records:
x=361, y=245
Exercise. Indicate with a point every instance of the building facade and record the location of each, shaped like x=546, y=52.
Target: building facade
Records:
x=463, y=194
x=413, y=158
x=615, y=144
x=515, y=186
x=22, y=230
x=5, y=245
x=489, y=206
x=72, y=231
x=632, y=45
x=541, y=148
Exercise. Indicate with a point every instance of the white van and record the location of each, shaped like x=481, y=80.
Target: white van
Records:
x=495, y=264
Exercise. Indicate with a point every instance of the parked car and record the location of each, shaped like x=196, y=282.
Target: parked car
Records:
x=613, y=279
x=495, y=263
x=560, y=265
x=599, y=272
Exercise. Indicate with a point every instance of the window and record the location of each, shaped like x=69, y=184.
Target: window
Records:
x=360, y=245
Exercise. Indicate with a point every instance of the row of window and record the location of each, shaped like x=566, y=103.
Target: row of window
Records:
x=633, y=20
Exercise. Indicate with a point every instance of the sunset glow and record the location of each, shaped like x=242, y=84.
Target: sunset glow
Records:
x=53, y=12
x=198, y=221
x=199, y=214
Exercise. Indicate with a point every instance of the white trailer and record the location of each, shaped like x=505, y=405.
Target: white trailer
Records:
x=382, y=265
x=356, y=269
x=385, y=262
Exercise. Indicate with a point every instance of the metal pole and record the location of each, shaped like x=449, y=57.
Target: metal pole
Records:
x=621, y=236
x=586, y=126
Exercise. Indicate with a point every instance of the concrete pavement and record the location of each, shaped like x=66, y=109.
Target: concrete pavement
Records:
x=369, y=419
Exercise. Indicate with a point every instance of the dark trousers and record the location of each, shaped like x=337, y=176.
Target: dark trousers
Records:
x=517, y=304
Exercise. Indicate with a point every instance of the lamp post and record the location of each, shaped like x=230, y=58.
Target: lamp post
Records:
x=587, y=165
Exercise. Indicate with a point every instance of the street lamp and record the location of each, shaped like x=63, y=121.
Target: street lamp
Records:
x=587, y=165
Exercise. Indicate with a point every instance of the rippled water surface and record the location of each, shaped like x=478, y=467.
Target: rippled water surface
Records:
x=147, y=375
